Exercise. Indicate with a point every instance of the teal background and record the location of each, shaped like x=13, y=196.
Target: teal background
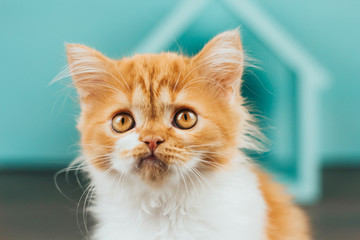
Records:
x=37, y=123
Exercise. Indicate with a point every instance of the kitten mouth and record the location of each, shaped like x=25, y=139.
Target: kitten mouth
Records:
x=151, y=161
x=152, y=169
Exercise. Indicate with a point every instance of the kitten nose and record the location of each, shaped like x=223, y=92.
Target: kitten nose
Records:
x=153, y=142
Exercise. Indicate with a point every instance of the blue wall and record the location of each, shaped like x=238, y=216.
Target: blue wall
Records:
x=330, y=30
x=37, y=123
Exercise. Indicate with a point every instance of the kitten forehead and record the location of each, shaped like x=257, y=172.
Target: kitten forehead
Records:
x=139, y=97
x=153, y=96
x=165, y=96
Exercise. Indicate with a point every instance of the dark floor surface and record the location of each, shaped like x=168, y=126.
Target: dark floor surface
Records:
x=31, y=208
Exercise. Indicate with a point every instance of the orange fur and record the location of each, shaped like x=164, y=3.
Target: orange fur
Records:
x=157, y=86
x=285, y=220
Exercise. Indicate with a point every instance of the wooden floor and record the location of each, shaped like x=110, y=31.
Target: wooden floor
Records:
x=31, y=208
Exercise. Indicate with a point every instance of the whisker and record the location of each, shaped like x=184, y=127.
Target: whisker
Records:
x=216, y=165
x=198, y=173
x=186, y=188
x=78, y=208
x=184, y=165
x=177, y=81
x=203, y=145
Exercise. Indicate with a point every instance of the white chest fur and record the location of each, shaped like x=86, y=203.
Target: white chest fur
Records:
x=229, y=206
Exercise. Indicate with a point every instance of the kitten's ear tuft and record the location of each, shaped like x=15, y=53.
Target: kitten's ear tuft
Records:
x=88, y=68
x=222, y=61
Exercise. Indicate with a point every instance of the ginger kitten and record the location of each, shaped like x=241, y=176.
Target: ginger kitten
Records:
x=162, y=138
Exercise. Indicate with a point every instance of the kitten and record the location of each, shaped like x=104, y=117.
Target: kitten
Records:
x=160, y=136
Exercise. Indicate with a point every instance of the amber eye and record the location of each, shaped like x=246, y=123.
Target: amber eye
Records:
x=122, y=122
x=185, y=119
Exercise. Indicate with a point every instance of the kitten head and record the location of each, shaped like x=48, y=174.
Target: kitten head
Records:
x=157, y=116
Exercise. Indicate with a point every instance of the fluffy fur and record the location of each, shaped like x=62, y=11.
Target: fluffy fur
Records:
x=201, y=186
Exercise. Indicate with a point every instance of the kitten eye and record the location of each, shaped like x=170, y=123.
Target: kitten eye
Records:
x=122, y=122
x=185, y=119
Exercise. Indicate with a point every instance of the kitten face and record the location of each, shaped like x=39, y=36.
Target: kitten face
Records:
x=145, y=94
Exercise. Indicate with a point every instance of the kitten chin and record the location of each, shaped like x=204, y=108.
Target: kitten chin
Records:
x=161, y=135
x=152, y=170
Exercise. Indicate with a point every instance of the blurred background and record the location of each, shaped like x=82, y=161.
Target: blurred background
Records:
x=305, y=92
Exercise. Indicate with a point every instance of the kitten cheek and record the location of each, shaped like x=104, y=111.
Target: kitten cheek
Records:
x=123, y=165
x=127, y=158
x=127, y=142
x=177, y=158
x=126, y=154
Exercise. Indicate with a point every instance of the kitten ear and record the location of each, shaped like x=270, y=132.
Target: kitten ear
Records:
x=88, y=69
x=222, y=61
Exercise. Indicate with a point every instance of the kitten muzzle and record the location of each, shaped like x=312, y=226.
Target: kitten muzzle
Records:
x=151, y=161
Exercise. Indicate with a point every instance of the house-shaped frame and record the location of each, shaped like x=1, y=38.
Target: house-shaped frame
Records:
x=311, y=78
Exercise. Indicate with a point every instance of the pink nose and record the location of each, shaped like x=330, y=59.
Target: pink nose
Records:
x=153, y=142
